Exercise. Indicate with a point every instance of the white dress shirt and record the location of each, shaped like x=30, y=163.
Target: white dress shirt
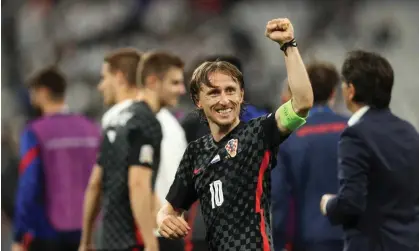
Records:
x=172, y=148
x=357, y=115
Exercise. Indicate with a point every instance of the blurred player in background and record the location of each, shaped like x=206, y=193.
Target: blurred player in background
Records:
x=229, y=170
x=57, y=151
x=173, y=146
x=130, y=153
x=378, y=199
x=307, y=169
x=118, y=89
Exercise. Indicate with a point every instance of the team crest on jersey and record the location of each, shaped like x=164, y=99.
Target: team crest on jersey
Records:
x=231, y=147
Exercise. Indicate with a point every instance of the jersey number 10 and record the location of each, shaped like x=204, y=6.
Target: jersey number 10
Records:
x=217, y=197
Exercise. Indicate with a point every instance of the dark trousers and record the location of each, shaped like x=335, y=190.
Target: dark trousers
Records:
x=164, y=245
x=171, y=245
x=50, y=245
x=319, y=246
x=196, y=245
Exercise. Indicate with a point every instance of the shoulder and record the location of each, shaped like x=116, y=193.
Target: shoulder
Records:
x=191, y=119
x=341, y=117
x=356, y=131
x=87, y=121
x=28, y=130
x=336, y=117
x=259, y=120
x=170, y=124
x=201, y=142
x=200, y=145
x=28, y=137
x=141, y=119
x=140, y=114
x=37, y=122
x=112, y=112
x=165, y=116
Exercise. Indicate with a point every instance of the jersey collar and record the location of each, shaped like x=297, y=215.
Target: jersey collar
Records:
x=228, y=136
x=319, y=109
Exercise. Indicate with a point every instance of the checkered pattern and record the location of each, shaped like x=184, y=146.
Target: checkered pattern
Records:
x=242, y=221
x=119, y=230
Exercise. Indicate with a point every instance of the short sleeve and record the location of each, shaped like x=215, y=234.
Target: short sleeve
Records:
x=270, y=131
x=141, y=150
x=100, y=156
x=182, y=193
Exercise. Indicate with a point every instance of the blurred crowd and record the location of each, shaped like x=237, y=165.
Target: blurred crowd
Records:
x=76, y=34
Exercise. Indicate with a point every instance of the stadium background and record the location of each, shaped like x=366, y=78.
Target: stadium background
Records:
x=75, y=34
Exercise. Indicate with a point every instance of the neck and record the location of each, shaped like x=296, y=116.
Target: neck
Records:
x=150, y=99
x=219, y=132
x=355, y=107
x=128, y=94
x=53, y=107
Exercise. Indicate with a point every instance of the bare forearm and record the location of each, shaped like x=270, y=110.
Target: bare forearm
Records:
x=299, y=82
x=91, y=210
x=156, y=207
x=142, y=201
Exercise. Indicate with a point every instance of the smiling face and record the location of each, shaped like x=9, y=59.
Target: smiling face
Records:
x=221, y=100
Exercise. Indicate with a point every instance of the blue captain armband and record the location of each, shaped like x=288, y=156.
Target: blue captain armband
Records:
x=288, y=118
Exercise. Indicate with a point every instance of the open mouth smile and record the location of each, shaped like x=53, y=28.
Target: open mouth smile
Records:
x=224, y=111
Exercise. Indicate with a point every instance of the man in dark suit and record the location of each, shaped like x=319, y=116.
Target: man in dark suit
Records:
x=378, y=200
x=307, y=169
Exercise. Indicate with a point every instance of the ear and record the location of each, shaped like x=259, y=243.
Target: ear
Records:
x=198, y=104
x=151, y=82
x=42, y=91
x=197, y=99
x=351, y=91
x=120, y=76
x=241, y=95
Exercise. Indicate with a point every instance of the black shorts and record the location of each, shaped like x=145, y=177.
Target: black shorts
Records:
x=171, y=245
x=51, y=245
x=164, y=245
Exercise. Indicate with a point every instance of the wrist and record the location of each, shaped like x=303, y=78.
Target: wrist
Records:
x=150, y=241
x=286, y=46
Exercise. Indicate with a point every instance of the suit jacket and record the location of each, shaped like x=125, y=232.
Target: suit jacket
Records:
x=378, y=171
x=307, y=169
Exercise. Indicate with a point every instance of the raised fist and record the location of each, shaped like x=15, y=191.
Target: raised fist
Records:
x=280, y=30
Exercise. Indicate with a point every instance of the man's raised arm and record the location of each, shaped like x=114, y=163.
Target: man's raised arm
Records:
x=292, y=114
